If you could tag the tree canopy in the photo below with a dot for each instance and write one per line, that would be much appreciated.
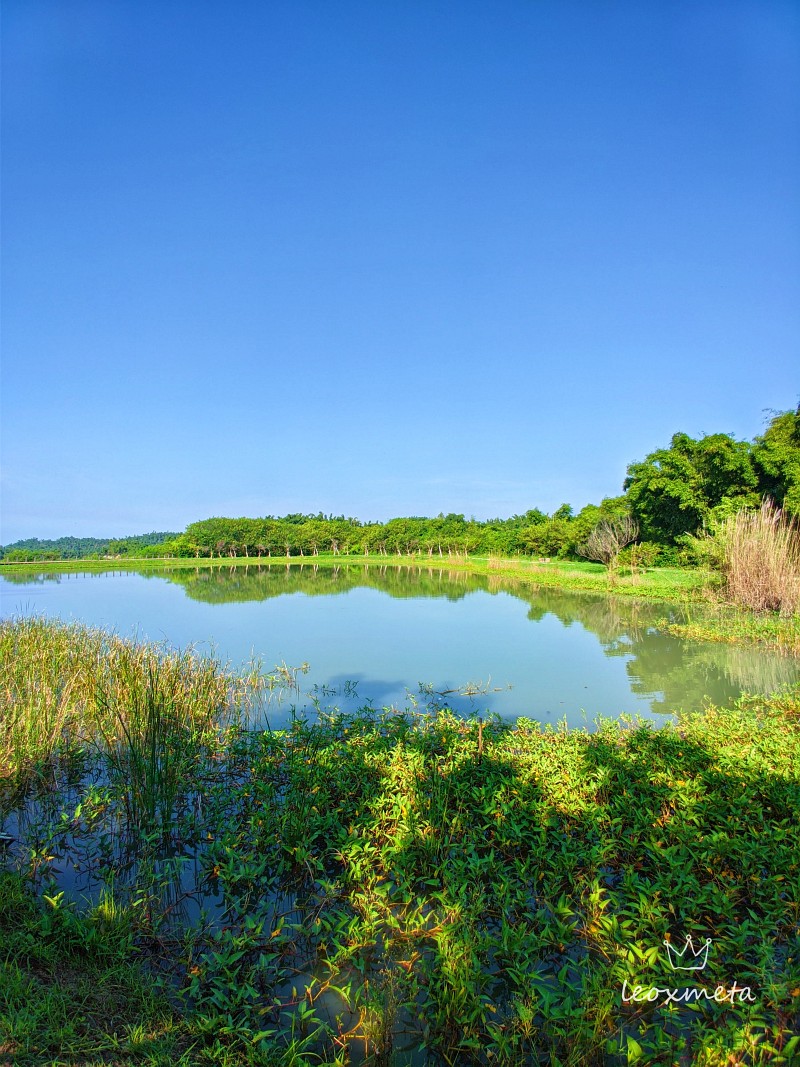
(673, 491)
(669, 495)
(776, 457)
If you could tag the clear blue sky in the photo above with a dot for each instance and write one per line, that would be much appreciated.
(386, 258)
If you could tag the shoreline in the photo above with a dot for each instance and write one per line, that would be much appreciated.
(721, 622)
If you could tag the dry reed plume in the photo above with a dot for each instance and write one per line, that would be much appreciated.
(761, 559)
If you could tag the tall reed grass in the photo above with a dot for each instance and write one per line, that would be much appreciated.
(154, 738)
(67, 685)
(761, 559)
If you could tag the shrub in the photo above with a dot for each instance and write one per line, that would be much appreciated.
(645, 554)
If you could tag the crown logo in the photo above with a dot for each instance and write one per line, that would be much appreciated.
(690, 958)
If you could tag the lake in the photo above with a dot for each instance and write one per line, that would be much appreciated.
(389, 635)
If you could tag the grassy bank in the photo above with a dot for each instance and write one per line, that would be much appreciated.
(384, 887)
(655, 583)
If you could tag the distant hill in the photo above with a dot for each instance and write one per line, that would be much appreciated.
(34, 549)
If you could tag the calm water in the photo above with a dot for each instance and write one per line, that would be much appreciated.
(392, 629)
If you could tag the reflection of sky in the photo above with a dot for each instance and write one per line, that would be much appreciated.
(387, 644)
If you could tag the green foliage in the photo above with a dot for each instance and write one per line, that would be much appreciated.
(776, 456)
(446, 535)
(736, 626)
(33, 550)
(73, 989)
(644, 554)
(29, 555)
(674, 490)
(393, 880)
(553, 538)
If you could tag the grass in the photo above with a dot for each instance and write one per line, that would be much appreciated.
(737, 626)
(671, 584)
(357, 887)
(761, 560)
(64, 686)
(72, 989)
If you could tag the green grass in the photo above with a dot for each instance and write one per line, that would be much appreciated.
(384, 880)
(737, 626)
(72, 989)
(674, 584)
(75, 990)
(64, 686)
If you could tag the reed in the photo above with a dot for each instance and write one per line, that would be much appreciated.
(64, 686)
(151, 748)
(43, 687)
(761, 559)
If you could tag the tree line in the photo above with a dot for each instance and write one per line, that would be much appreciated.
(667, 499)
(33, 549)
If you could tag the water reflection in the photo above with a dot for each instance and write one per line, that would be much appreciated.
(672, 673)
(567, 653)
(225, 585)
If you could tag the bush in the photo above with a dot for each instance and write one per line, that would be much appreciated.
(701, 550)
(608, 538)
(645, 554)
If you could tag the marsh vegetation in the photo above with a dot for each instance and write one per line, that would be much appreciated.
(401, 886)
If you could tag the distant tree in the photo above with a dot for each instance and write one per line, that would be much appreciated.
(609, 508)
(551, 538)
(182, 547)
(27, 555)
(85, 547)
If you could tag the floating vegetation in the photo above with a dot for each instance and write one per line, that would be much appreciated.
(729, 625)
(383, 886)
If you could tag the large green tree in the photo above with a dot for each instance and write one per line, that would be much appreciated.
(776, 455)
(674, 490)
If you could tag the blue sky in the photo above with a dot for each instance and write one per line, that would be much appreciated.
(386, 258)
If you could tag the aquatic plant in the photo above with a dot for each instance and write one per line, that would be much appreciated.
(382, 884)
(65, 685)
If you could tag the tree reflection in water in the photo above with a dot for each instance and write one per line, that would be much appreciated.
(672, 672)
